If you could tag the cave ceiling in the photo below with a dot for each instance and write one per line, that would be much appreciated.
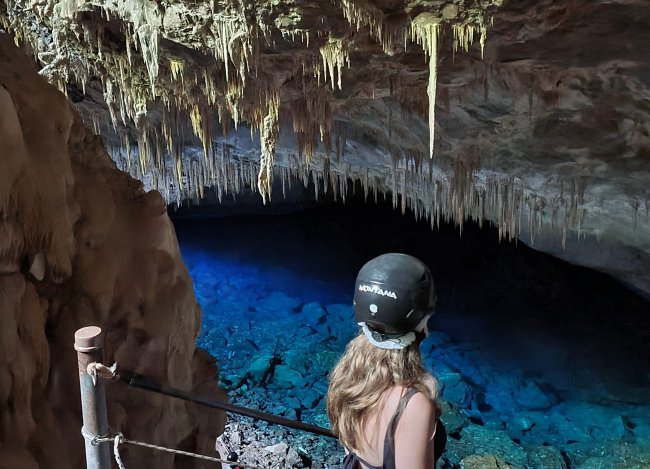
(531, 115)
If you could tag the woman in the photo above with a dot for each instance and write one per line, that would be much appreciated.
(381, 402)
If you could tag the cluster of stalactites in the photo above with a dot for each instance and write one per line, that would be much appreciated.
(427, 193)
(135, 79)
(233, 42)
(390, 31)
(465, 33)
(312, 116)
(423, 190)
(425, 30)
(335, 55)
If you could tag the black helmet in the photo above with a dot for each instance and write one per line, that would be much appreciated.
(393, 293)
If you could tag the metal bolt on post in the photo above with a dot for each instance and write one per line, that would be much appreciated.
(88, 344)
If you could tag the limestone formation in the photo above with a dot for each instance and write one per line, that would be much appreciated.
(537, 109)
(82, 243)
(538, 133)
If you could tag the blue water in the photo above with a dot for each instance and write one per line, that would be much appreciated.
(513, 386)
(249, 259)
(219, 272)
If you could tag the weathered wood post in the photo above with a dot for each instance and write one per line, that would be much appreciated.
(88, 344)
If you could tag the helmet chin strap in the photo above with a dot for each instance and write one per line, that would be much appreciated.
(394, 343)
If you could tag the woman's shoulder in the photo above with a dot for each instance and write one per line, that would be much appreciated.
(417, 395)
(421, 402)
(419, 416)
(418, 401)
(420, 410)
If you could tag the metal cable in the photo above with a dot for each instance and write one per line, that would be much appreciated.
(147, 384)
(142, 382)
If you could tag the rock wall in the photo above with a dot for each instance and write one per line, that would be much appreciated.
(81, 243)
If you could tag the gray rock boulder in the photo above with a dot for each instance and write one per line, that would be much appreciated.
(484, 462)
(286, 377)
(531, 396)
(278, 302)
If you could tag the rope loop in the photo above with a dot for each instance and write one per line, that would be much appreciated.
(100, 370)
(119, 439)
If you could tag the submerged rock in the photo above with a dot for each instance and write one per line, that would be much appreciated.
(479, 440)
(532, 397)
(297, 359)
(546, 457)
(278, 302)
(341, 312)
(258, 367)
(438, 338)
(229, 308)
(599, 422)
(313, 311)
(484, 462)
(641, 429)
(309, 398)
(521, 423)
(456, 390)
(452, 418)
(286, 377)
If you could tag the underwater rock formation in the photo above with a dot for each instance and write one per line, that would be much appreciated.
(534, 111)
(81, 243)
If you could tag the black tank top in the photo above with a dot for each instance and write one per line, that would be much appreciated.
(352, 461)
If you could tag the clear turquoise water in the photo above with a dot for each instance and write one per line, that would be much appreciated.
(532, 393)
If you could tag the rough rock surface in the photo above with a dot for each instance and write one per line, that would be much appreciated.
(542, 126)
(82, 243)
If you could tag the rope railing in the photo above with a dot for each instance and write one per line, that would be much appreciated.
(92, 373)
(119, 439)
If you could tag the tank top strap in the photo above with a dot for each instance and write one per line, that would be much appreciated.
(389, 439)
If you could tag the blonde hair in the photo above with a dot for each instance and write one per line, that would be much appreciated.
(360, 379)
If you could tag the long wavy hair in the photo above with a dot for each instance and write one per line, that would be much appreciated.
(360, 380)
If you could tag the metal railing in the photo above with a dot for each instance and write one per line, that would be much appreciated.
(88, 344)
(92, 375)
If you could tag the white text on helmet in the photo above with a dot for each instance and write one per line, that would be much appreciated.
(377, 290)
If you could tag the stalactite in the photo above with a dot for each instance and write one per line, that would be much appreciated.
(335, 56)
(269, 130)
(177, 68)
(234, 95)
(425, 30)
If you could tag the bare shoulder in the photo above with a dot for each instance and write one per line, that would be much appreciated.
(420, 413)
(414, 444)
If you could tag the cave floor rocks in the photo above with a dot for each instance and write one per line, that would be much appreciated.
(518, 389)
